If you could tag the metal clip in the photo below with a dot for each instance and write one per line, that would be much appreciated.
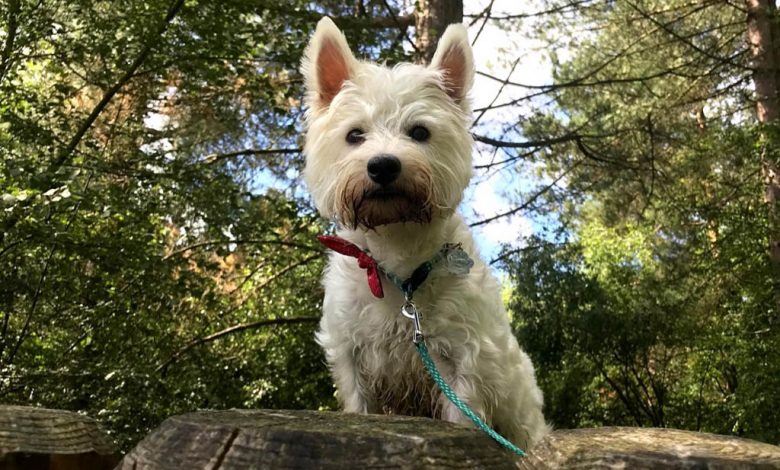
(409, 310)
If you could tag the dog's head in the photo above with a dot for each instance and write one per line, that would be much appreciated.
(386, 145)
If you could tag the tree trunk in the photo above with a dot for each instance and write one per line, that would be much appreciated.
(761, 15)
(762, 31)
(431, 19)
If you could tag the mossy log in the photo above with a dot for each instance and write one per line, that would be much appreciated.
(241, 439)
(649, 448)
(39, 438)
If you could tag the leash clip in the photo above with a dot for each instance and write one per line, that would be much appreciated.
(409, 310)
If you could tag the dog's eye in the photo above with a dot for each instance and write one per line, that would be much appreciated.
(355, 136)
(420, 133)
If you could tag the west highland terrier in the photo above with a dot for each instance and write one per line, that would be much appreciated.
(388, 156)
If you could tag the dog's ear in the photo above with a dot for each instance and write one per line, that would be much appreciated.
(455, 60)
(327, 63)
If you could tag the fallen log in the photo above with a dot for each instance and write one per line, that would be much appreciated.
(239, 439)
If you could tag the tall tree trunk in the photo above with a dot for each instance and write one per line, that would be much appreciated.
(764, 37)
(431, 19)
(761, 16)
(12, 24)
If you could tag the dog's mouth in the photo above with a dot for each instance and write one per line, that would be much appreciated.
(385, 194)
(388, 205)
(366, 204)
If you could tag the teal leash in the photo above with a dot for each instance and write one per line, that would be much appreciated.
(464, 408)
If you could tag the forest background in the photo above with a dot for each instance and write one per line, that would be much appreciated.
(158, 255)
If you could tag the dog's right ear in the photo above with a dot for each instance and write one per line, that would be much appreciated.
(455, 60)
(327, 63)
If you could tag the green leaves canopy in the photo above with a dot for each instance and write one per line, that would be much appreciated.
(156, 254)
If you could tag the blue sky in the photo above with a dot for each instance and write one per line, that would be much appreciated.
(491, 193)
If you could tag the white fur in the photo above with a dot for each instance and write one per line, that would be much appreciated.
(367, 341)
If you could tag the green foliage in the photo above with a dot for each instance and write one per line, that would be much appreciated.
(136, 226)
(157, 256)
(659, 306)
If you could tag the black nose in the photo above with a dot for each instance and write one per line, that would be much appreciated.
(384, 169)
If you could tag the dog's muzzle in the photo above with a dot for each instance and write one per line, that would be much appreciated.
(387, 193)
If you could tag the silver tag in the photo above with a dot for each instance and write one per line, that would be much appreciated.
(458, 262)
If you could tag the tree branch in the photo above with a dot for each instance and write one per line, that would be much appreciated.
(528, 144)
(408, 21)
(343, 22)
(613, 58)
(508, 253)
(677, 36)
(486, 13)
(287, 269)
(13, 25)
(498, 93)
(527, 203)
(162, 368)
(622, 394)
(244, 326)
(566, 8)
(66, 153)
(238, 242)
(394, 21)
(217, 157)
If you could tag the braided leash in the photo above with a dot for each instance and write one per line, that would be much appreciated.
(464, 408)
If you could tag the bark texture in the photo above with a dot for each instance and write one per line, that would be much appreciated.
(240, 439)
(431, 19)
(649, 448)
(763, 34)
(38, 438)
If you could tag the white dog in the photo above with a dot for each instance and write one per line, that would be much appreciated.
(388, 156)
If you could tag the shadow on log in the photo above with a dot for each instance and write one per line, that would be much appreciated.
(240, 439)
(39, 438)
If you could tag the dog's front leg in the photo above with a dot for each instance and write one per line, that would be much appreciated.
(352, 393)
(465, 388)
(341, 352)
(465, 391)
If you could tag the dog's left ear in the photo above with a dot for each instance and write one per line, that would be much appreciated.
(455, 60)
(327, 64)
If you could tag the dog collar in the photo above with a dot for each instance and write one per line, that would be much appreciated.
(451, 256)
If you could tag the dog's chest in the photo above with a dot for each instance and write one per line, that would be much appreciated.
(386, 361)
(390, 366)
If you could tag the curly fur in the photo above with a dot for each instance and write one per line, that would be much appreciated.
(367, 341)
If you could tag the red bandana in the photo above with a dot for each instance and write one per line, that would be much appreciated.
(365, 261)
